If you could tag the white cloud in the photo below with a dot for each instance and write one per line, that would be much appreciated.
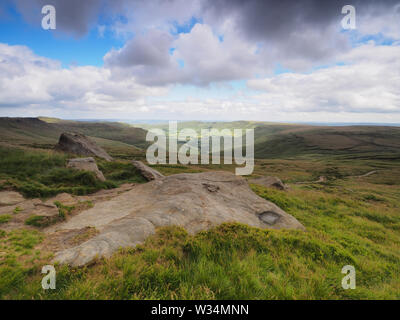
(368, 83)
(28, 81)
(205, 57)
(380, 19)
(366, 88)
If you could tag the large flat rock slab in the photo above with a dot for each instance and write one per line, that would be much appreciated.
(194, 201)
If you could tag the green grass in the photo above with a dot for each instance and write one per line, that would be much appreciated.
(345, 225)
(349, 220)
(5, 218)
(43, 173)
(120, 172)
(42, 221)
(18, 258)
(231, 261)
(63, 210)
(17, 210)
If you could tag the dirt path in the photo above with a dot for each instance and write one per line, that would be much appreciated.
(366, 175)
(321, 179)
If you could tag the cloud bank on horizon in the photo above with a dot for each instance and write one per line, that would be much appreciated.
(201, 59)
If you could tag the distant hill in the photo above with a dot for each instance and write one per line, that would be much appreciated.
(107, 130)
(44, 132)
(28, 131)
(358, 141)
(272, 140)
(198, 125)
(275, 140)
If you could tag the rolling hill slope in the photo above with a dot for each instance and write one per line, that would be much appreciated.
(274, 140)
(271, 142)
(44, 133)
(106, 130)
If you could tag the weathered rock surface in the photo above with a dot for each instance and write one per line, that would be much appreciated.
(64, 198)
(45, 210)
(193, 201)
(148, 173)
(22, 210)
(8, 198)
(28, 207)
(79, 144)
(87, 164)
(270, 182)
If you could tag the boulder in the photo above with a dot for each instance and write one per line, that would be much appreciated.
(270, 182)
(194, 201)
(79, 144)
(8, 198)
(87, 164)
(148, 173)
(65, 198)
(46, 210)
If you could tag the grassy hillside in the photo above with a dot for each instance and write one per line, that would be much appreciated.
(28, 132)
(274, 140)
(107, 130)
(349, 220)
(44, 133)
(198, 125)
(43, 173)
(281, 141)
(271, 140)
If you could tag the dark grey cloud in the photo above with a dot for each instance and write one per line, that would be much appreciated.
(78, 16)
(298, 34)
(150, 49)
(256, 19)
(271, 19)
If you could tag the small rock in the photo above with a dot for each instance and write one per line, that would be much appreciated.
(8, 198)
(64, 198)
(269, 182)
(46, 211)
(87, 164)
(147, 172)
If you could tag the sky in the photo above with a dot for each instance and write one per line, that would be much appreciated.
(223, 60)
